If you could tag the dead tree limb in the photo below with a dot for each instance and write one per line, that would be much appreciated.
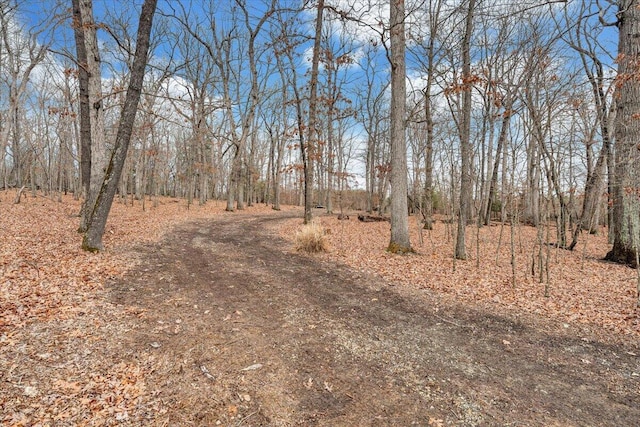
(370, 218)
(18, 196)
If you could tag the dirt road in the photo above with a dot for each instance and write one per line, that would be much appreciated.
(244, 332)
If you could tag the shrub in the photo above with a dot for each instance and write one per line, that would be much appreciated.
(312, 238)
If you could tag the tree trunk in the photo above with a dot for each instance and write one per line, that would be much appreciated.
(84, 110)
(89, 61)
(370, 172)
(532, 195)
(280, 138)
(400, 242)
(626, 186)
(312, 129)
(610, 180)
(277, 185)
(591, 196)
(465, 136)
(15, 141)
(232, 182)
(428, 175)
(502, 137)
(332, 83)
(428, 113)
(240, 183)
(92, 240)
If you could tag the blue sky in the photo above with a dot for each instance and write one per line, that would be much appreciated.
(38, 11)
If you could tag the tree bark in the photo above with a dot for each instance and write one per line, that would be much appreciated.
(626, 186)
(92, 240)
(428, 113)
(83, 100)
(400, 242)
(591, 195)
(465, 136)
(278, 140)
(313, 108)
(502, 137)
(332, 83)
(92, 140)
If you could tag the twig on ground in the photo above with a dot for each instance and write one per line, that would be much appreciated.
(451, 322)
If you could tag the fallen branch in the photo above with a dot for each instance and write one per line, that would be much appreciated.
(451, 322)
(206, 372)
(370, 218)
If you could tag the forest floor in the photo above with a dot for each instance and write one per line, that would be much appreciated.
(202, 317)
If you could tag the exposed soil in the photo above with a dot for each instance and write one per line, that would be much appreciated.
(240, 330)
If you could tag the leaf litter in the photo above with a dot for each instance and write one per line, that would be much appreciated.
(60, 359)
(585, 291)
(60, 363)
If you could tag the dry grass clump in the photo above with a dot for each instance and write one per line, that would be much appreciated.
(312, 238)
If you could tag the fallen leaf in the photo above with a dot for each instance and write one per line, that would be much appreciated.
(30, 391)
(252, 367)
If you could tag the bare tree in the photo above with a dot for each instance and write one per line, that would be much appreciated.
(277, 124)
(582, 36)
(431, 53)
(21, 54)
(196, 105)
(92, 239)
(309, 151)
(400, 242)
(227, 51)
(92, 131)
(335, 106)
(466, 151)
(372, 104)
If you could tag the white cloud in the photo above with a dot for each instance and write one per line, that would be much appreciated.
(176, 87)
(365, 20)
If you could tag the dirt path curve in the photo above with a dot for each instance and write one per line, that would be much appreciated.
(243, 332)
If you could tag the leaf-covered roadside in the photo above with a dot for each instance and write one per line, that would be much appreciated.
(583, 290)
(61, 358)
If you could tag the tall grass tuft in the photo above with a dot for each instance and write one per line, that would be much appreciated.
(311, 238)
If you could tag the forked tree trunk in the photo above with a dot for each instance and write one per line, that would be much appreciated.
(591, 197)
(92, 240)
